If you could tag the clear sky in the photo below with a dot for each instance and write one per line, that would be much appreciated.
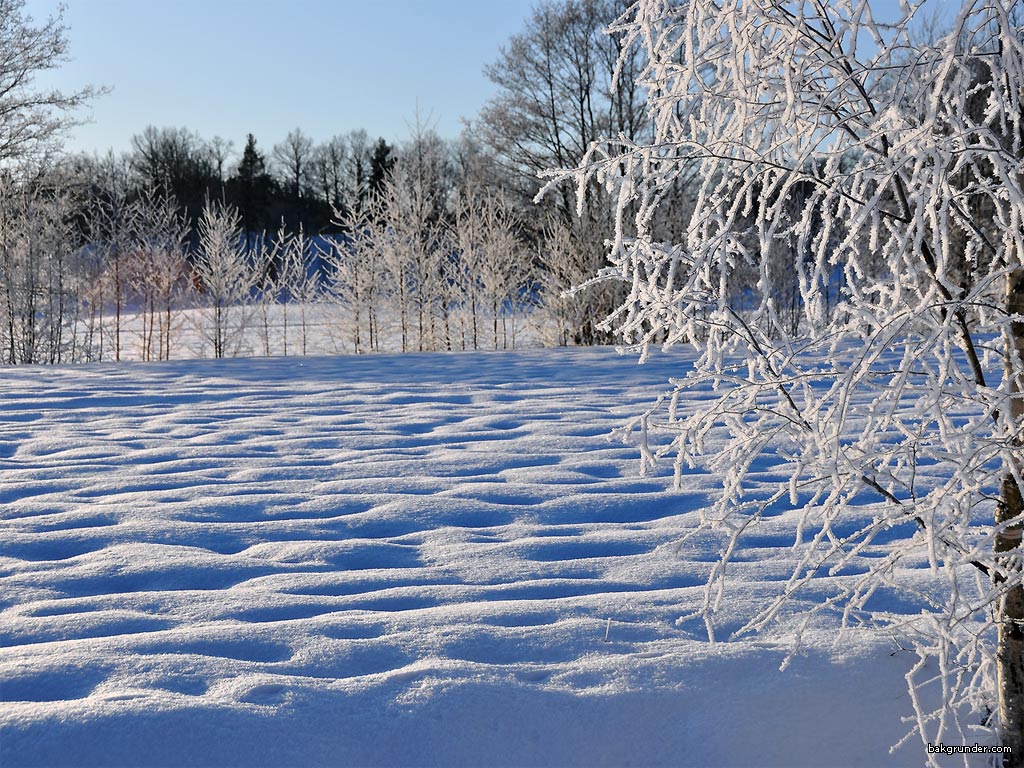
(228, 67)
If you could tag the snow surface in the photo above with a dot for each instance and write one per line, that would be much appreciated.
(391, 560)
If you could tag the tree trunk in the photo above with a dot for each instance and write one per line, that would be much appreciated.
(118, 299)
(1010, 644)
(1009, 511)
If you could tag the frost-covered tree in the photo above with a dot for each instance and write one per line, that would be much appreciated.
(416, 194)
(110, 226)
(468, 237)
(356, 274)
(159, 272)
(403, 241)
(306, 286)
(893, 169)
(403, 219)
(299, 284)
(495, 265)
(38, 287)
(571, 306)
(136, 267)
(266, 256)
(224, 270)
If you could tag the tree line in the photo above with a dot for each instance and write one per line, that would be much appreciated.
(298, 182)
(428, 243)
(97, 267)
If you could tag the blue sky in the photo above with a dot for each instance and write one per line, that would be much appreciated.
(228, 67)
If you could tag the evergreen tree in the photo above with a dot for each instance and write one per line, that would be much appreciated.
(251, 189)
(381, 162)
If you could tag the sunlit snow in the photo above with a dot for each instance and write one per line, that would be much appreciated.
(392, 560)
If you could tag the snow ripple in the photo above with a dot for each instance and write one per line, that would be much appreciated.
(189, 546)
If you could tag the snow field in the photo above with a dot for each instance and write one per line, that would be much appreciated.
(392, 560)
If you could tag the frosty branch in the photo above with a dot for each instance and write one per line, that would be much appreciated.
(885, 175)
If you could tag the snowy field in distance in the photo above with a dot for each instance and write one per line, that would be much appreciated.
(390, 560)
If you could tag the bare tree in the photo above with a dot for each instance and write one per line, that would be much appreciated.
(294, 158)
(32, 119)
(220, 151)
(329, 169)
(559, 89)
(562, 83)
(175, 161)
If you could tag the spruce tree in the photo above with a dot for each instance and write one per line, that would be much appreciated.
(381, 162)
(252, 188)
